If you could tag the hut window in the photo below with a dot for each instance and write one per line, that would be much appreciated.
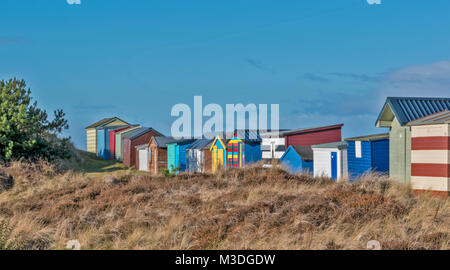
(149, 154)
(358, 152)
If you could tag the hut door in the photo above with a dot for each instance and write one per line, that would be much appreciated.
(143, 162)
(214, 159)
(220, 158)
(334, 165)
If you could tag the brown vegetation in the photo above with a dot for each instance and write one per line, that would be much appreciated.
(237, 209)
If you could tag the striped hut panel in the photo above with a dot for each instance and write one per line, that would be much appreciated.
(91, 145)
(235, 153)
(430, 158)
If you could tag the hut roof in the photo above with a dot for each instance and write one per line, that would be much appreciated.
(111, 127)
(442, 117)
(310, 129)
(407, 109)
(338, 145)
(200, 144)
(162, 141)
(273, 133)
(139, 132)
(104, 121)
(246, 135)
(128, 130)
(305, 152)
(374, 137)
(182, 141)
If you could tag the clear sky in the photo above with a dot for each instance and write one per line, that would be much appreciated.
(323, 61)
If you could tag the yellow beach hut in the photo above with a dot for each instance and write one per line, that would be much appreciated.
(218, 154)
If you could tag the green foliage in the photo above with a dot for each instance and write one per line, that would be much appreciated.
(6, 241)
(167, 174)
(25, 131)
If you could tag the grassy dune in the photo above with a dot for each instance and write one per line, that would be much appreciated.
(92, 166)
(106, 206)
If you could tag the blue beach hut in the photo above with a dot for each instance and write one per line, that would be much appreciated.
(368, 154)
(298, 159)
(176, 154)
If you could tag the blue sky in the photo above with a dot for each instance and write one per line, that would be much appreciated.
(323, 61)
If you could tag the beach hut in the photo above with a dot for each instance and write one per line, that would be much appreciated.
(251, 152)
(142, 157)
(298, 159)
(198, 156)
(218, 154)
(91, 132)
(330, 160)
(252, 140)
(235, 153)
(103, 141)
(133, 139)
(313, 136)
(119, 141)
(368, 154)
(396, 113)
(176, 155)
(158, 153)
(430, 153)
(112, 141)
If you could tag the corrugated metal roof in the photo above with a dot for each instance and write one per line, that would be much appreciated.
(407, 109)
(182, 141)
(139, 132)
(305, 152)
(273, 133)
(338, 145)
(437, 118)
(249, 136)
(136, 133)
(310, 129)
(245, 135)
(129, 130)
(200, 144)
(104, 121)
(111, 127)
(162, 141)
(370, 137)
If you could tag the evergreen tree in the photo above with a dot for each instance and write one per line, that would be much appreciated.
(25, 131)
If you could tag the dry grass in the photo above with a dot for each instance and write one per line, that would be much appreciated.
(238, 209)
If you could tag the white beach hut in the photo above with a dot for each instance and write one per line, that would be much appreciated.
(330, 160)
(199, 156)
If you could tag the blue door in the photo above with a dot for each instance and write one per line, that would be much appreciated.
(334, 165)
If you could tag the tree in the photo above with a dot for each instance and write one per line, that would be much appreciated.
(25, 131)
